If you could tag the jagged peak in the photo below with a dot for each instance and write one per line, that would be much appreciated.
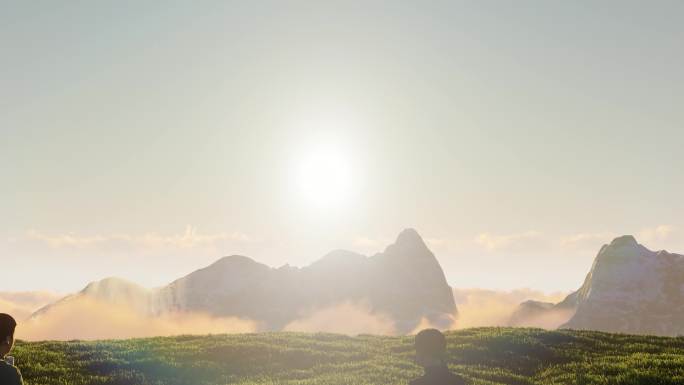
(625, 240)
(409, 246)
(624, 246)
(409, 237)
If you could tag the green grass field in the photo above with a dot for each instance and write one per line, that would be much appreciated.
(482, 356)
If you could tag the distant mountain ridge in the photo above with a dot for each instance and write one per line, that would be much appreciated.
(405, 282)
(629, 289)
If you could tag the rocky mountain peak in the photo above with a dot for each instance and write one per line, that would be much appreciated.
(409, 237)
(631, 289)
(624, 241)
(621, 250)
(409, 243)
(404, 283)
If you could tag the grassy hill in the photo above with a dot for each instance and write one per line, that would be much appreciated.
(482, 356)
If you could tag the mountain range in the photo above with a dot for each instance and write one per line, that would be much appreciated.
(405, 283)
(629, 289)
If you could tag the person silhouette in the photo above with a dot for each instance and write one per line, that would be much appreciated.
(9, 374)
(430, 354)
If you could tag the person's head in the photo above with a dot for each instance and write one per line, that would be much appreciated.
(430, 348)
(7, 326)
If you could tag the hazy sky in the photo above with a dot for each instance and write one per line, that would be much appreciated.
(146, 139)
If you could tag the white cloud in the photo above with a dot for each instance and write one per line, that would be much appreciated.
(656, 234)
(190, 238)
(368, 246)
(528, 241)
(652, 237)
(586, 241)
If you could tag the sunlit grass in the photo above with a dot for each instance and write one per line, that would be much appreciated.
(482, 356)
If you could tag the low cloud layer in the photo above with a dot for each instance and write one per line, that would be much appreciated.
(348, 318)
(21, 304)
(550, 319)
(480, 307)
(87, 319)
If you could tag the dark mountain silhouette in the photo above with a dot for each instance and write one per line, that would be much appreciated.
(405, 282)
(629, 289)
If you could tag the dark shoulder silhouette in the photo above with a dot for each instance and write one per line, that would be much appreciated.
(438, 376)
(9, 375)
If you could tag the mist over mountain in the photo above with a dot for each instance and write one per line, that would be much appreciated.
(112, 291)
(629, 289)
(404, 284)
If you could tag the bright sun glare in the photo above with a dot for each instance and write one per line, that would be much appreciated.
(324, 178)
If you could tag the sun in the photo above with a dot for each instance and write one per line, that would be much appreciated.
(324, 178)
